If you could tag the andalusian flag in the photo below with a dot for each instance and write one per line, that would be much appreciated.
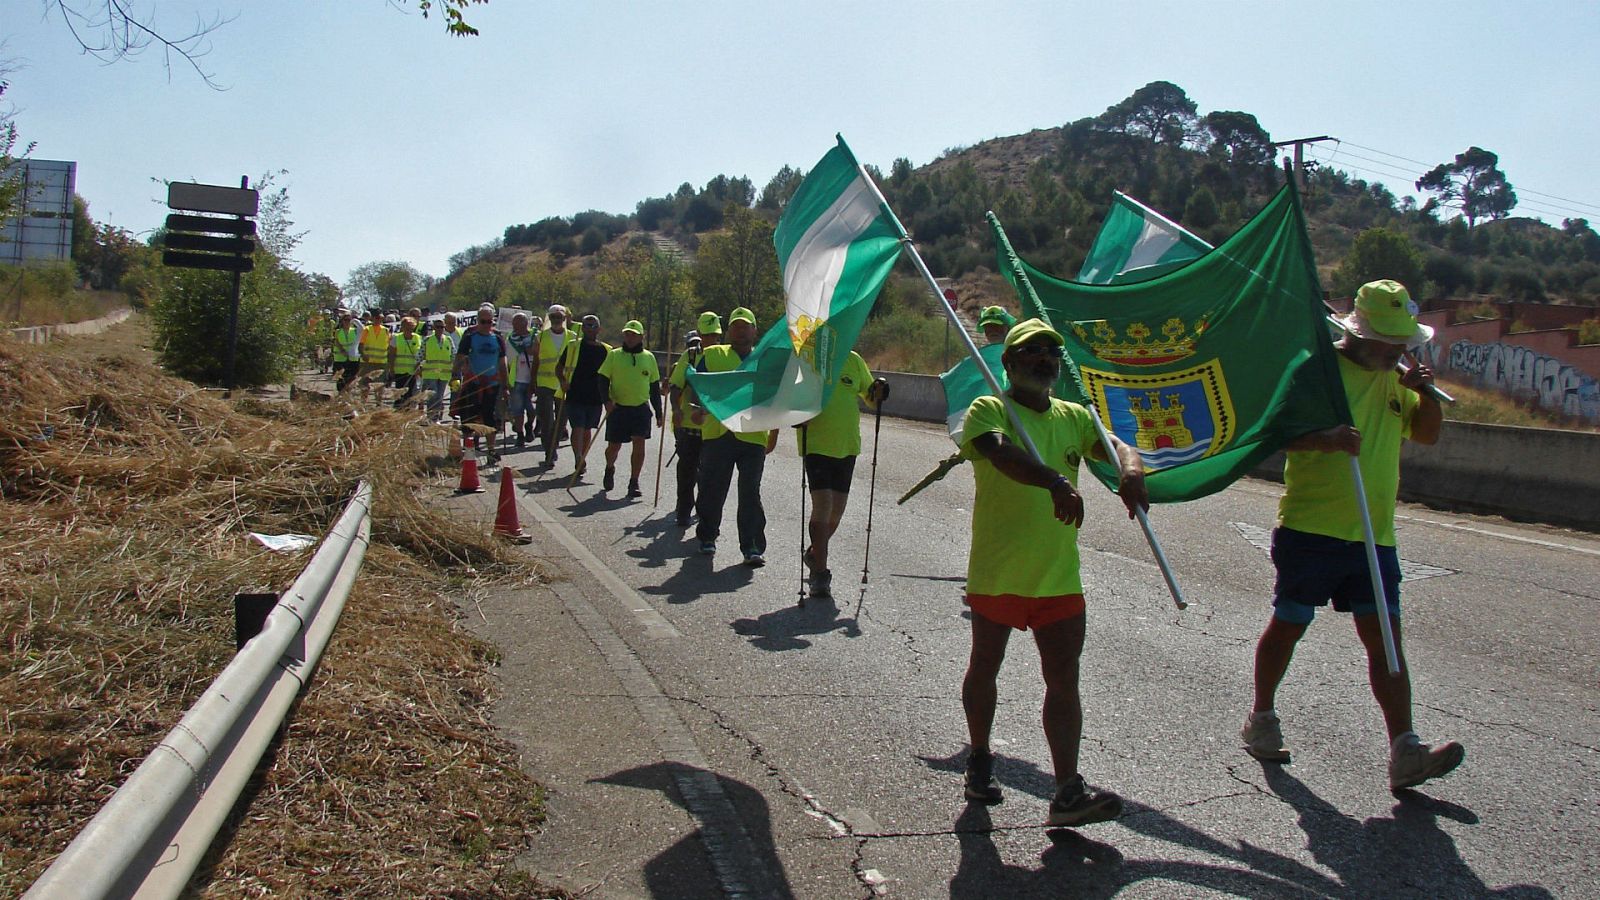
(964, 383)
(1136, 243)
(1207, 370)
(836, 243)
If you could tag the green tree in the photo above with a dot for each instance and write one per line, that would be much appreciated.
(10, 179)
(386, 284)
(541, 286)
(1473, 184)
(1379, 253)
(781, 188)
(191, 308)
(1201, 210)
(739, 267)
(482, 282)
(1160, 111)
(1237, 138)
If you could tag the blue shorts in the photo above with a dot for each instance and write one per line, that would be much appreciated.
(1314, 569)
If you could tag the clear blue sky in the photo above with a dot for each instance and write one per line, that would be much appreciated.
(403, 143)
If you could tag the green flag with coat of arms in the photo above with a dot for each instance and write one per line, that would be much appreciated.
(1208, 369)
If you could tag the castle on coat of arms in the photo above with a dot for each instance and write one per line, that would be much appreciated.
(1160, 424)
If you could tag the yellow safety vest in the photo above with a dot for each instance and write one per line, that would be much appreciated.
(438, 358)
(546, 376)
(405, 352)
(375, 345)
(344, 344)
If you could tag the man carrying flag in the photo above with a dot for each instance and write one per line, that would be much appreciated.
(1023, 570)
(1318, 548)
(723, 450)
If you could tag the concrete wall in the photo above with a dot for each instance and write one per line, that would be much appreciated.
(1531, 474)
(41, 334)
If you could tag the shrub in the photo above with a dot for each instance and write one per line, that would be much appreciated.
(190, 316)
(1589, 331)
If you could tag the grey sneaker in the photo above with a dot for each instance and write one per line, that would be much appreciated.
(981, 785)
(1076, 804)
(754, 560)
(1411, 762)
(1263, 737)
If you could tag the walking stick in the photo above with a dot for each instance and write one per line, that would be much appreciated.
(585, 458)
(877, 424)
(803, 522)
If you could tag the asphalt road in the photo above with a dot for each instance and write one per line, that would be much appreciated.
(704, 736)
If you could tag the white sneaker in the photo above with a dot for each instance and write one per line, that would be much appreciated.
(1263, 737)
(1411, 762)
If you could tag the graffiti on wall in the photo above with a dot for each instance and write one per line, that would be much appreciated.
(1525, 373)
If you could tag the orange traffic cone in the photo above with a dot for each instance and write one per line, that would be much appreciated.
(505, 518)
(469, 469)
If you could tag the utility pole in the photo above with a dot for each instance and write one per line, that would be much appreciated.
(1299, 145)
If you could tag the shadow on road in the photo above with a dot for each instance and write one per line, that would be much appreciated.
(1374, 857)
(680, 871)
(698, 577)
(786, 628)
(665, 540)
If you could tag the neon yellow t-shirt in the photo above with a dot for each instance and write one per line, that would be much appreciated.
(1319, 496)
(679, 379)
(631, 375)
(836, 431)
(1018, 545)
(723, 358)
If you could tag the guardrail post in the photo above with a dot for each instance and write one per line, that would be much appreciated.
(250, 609)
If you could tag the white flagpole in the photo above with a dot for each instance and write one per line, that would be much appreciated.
(1384, 627)
(1105, 441)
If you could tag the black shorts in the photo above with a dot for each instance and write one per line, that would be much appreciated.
(829, 473)
(628, 422)
(583, 415)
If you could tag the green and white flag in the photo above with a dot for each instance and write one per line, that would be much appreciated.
(1136, 243)
(965, 383)
(836, 243)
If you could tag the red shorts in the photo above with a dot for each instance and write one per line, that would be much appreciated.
(1023, 613)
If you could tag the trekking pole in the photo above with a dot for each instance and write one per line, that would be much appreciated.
(661, 449)
(872, 492)
(804, 524)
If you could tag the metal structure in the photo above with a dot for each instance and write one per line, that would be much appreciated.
(41, 229)
(149, 837)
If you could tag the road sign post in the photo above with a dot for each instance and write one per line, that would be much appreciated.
(213, 242)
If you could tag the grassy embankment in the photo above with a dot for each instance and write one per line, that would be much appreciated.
(127, 497)
(46, 295)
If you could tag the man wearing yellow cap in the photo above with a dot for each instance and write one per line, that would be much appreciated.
(630, 379)
(707, 333)
(1023, 571)
(1319, 548)
(723, 451)
(995, 323)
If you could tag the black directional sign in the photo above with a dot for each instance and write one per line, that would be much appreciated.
(210, 224)
(218, 261)
(206, 243)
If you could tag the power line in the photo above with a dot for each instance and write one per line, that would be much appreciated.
(1429, 166)
(1383, 170)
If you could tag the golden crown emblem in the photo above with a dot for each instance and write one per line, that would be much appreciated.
(1136, 345)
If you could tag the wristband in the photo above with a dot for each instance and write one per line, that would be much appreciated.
(1060, 479)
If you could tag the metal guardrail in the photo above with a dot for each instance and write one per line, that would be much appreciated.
(151, 835)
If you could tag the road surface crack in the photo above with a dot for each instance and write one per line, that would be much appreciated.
(870, 879)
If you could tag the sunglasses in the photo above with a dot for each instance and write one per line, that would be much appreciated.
(1037, 350)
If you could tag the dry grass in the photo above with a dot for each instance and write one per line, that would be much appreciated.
(126, 497)
(1494, 408)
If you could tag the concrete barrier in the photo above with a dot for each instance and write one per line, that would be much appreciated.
(42, 334)
(1529, 474)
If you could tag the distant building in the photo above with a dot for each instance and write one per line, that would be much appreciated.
(41, 229)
